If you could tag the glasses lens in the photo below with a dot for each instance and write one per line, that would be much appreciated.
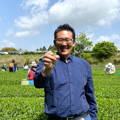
(64, 39)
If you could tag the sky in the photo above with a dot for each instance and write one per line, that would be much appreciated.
(30, 24)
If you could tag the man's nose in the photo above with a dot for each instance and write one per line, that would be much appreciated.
(64, 42)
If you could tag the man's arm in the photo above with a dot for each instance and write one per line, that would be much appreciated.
(89, 92)
(39, 81)
(44, 69)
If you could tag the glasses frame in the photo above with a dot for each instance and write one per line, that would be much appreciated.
(60, 40)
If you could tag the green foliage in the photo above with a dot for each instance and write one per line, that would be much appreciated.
(8, 49)
(107, 94)
(108, 109)
(18, 108)
(22, 102)
(42, 49)
(116, 62)
(87, 56)
(104, 50)
(82, 44)
(52, 48)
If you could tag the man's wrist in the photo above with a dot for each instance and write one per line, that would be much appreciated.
(46, 71)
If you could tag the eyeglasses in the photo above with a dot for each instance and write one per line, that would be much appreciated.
(60, 40)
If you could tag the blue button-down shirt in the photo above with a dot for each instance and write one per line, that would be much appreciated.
(68, 89)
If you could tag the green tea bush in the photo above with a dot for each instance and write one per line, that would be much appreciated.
(21, 108)
(24, 102)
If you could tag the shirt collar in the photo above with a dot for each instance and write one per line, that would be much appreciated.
(69, 59)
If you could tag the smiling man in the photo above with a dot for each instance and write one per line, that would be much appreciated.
(67, 80)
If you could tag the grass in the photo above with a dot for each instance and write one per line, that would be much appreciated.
(27, 103)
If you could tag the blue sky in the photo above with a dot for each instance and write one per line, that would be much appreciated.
(29, 24)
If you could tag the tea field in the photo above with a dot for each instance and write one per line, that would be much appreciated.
(21, 102)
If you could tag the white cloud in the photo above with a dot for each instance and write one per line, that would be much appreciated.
(31, 22)
(37, 14)
(111, 15)
(35, 5)
(84, 13)
(80, 13)
(103, 38)
(6, 43)
(112, 38)
(25, 34)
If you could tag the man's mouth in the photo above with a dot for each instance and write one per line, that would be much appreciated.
(64, 47)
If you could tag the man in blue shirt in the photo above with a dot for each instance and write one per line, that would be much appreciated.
(67, 80)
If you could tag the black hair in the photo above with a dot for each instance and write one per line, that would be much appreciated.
(13, 61)
(64, 27)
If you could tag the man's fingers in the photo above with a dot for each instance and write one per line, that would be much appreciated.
(49, 59)
(48, 64)
(51, 55)
(57, 57)
(50, 52)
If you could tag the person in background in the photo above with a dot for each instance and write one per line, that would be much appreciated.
(15, 68)
(67, 80)
(4, 67)
(11, 66)
(109, 68)
(25, 67)
(32, 70)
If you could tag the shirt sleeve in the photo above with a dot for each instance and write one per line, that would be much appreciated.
(39, 79)
(89, 92)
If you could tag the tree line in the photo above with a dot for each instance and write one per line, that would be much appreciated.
(102, 50)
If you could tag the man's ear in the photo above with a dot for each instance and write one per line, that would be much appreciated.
(54, 42)
(74, 43)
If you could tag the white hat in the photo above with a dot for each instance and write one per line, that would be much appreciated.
(110, 64)
(33, 63)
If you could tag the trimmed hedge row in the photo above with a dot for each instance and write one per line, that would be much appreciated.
(19, 102)
(18, 108)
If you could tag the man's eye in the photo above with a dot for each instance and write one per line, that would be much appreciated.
(67, 39)
(60, 39)
(63, 39)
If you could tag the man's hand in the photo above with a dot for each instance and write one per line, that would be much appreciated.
(49, 60)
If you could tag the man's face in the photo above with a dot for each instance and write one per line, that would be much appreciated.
(64, 42)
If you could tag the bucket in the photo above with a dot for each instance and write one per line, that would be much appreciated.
(24, 82)
(31, 82)
(27, 82)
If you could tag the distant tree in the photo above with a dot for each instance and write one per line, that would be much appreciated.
(37, 49)
(83, 43)
(52, 48)
(8, 49)
(20, 49)
(43, 48)
(104, 50)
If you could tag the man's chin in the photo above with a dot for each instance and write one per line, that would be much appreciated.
(63, 53)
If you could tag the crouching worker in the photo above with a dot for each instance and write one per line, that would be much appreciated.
(67, 80)
(31, 73)
(109, 68)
